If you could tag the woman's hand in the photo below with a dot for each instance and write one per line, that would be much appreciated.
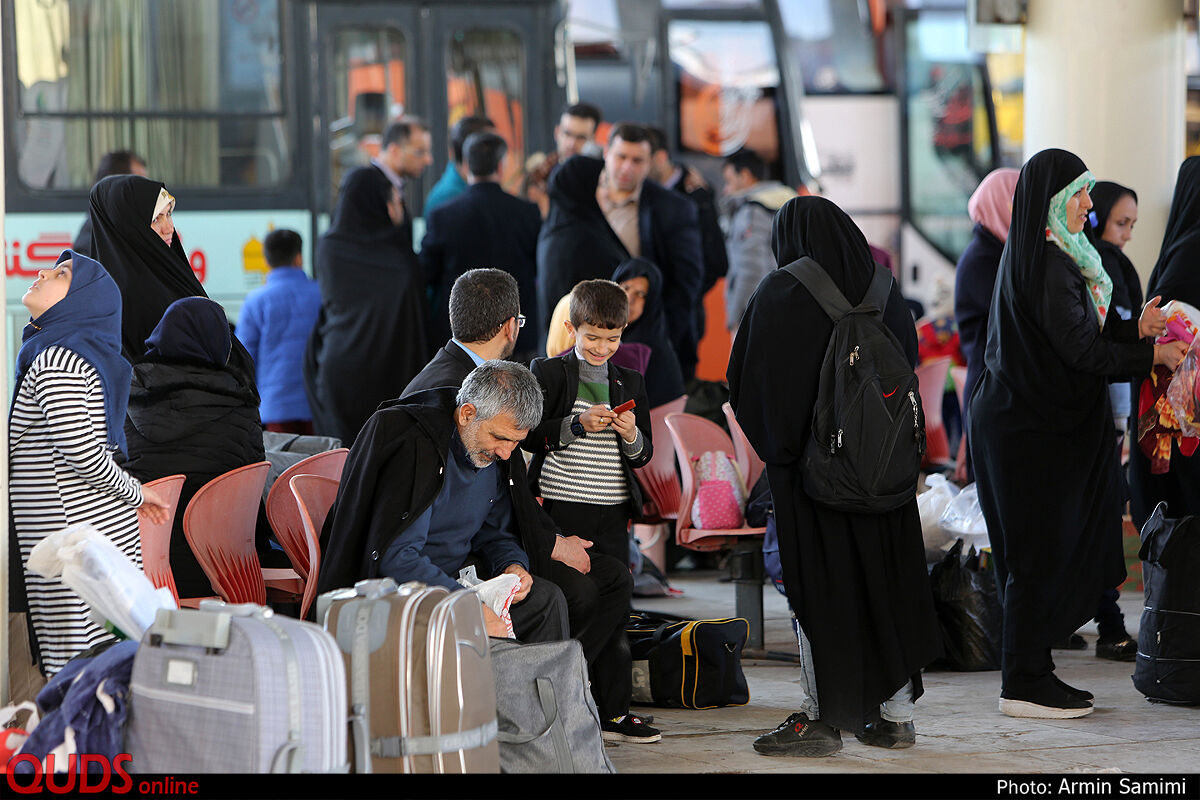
(153, 508)
(596, 418)
(1170, 354)
(1153, 320)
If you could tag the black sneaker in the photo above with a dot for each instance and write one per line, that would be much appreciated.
(1124, 649)
(800, 736)
(632, 729)
(1043, 699)
(1072, 642)
(1082, 694)
(893, 735)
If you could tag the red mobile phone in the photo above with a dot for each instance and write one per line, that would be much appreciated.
(621, 409)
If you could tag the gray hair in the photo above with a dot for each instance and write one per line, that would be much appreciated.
(497, 386)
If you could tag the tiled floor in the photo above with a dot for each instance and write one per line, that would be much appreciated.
(959, 728)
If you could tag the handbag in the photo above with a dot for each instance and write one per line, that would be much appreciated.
(683, 663)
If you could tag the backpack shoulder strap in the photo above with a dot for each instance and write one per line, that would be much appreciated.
(879, 290)
(821, 286)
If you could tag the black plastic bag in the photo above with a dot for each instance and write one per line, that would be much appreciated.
(968, 611)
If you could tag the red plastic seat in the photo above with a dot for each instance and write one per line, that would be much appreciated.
(219, 524)
(284, 514)
(959, 376)
(658, 478)
(931, 380)
(156, 538)
(692, 436)
(314, 495)
(747, 460)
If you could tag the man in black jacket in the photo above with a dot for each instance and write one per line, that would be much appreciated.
(485, 316)
(482, 227)
(429, 482)
(658, 224)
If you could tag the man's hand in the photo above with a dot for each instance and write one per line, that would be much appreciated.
(572, 551)
(596, 418)
(626, 425)
(526, 581)
(153, 507)
(495, 625)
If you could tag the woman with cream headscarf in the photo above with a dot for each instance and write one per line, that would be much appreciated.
(1042, 438)
(990, 208)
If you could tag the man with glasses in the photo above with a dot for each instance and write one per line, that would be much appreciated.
(482, 226)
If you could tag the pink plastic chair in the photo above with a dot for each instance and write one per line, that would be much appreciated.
(314, 495)
(692, 436)
(931, 379)
(219, 524)
(959, 376)
(156, 539)
(747, 460)
(658, 478)
(282, 511)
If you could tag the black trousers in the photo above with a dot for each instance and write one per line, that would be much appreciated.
(598, 607)
(542, 615)
(606, 527)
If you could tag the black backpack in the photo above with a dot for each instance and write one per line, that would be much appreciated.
(868, 429)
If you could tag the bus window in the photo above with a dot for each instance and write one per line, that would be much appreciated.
(949, 141)
(835, 48)
(485, 76)
(726, 79)
(368, 89)
(99, 76)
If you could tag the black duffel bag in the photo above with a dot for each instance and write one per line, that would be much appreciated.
(1168, 658)
(684, 663)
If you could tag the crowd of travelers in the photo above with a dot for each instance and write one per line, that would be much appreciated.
(528, 323)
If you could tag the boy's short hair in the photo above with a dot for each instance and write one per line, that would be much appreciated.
(601, 303)
(281, 247)
(481, 301)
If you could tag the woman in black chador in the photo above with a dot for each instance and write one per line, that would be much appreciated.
(857, 582)
(1176, 276)
(369, 341)
(1042, 437)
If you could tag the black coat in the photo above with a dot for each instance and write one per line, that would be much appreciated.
(559, 379)
(712, 238)
(669, 229)
(857, 582)
(198, 420)
(975, 277)
(449, 367)
(482, 227)
(393, 473)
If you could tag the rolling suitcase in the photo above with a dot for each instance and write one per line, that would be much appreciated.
(236, 689)
(421, 691)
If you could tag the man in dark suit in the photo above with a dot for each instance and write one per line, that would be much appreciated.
(657, 224)
(482, 227)
(485, 316)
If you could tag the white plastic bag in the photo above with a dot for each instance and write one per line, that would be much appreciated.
(96, 569)
(931, 503)
(497, 593)
(963, 518)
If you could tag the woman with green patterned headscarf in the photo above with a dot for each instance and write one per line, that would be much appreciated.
(1041, 430)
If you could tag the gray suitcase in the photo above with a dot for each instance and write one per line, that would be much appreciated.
(421, 689)
(236, 689)
(548, 719)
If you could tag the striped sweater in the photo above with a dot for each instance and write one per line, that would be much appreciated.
(60, 474)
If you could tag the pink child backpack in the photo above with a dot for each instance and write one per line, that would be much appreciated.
(720, 494)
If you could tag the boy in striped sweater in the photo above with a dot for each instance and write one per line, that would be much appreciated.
(585, 450)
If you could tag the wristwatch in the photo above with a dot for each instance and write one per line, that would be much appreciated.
(576, 427)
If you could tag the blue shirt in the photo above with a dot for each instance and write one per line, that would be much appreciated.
(274, 325)
(448, 187)
(474, 356)
(472, 513)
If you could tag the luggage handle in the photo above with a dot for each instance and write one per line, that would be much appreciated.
(558, 736)
(359, 740)
(374, 588)
(190, 628)
(236, 609)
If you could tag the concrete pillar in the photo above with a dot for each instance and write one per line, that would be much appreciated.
(1106, 80)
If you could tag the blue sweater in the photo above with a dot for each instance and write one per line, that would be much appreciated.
(448, 187)
(472, 513)
(274, 326)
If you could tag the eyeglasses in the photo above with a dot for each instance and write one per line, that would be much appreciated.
(520, 320)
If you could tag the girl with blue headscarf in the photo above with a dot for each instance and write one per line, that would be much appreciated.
(65, 426)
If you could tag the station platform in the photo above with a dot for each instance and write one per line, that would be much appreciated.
(959, 729)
